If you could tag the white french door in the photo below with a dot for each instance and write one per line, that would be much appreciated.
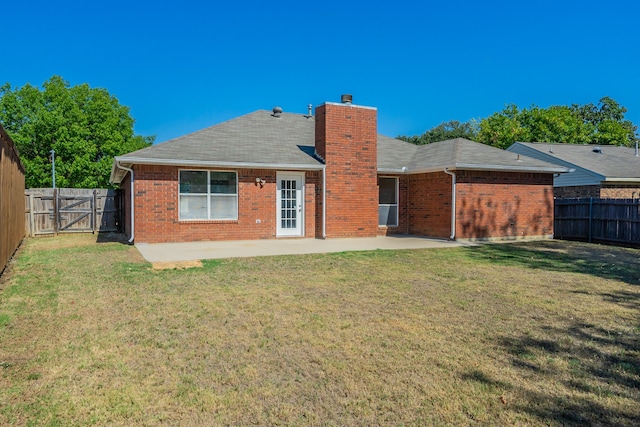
(290, 204)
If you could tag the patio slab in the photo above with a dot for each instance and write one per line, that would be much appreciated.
(191, 251)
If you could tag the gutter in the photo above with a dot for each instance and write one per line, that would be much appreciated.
(324, 203)
(230, 165)
(453, 203)
(118, 165)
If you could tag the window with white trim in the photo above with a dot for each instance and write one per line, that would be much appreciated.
(388, 201)
(208, 195)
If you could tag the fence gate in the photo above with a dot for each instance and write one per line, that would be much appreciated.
(72, 210)
(75, 213)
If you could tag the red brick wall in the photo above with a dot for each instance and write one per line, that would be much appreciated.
(346, 138)
(156, 208)
(430, 204)
(503, 205)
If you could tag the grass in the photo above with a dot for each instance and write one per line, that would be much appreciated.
(540, 333)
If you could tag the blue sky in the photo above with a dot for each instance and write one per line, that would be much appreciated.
(183, 66)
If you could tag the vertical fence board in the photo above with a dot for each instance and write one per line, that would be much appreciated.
(12, 205)
(602, 220)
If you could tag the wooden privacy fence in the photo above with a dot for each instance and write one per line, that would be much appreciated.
(11, 194)
(598, 220)
(72, 210)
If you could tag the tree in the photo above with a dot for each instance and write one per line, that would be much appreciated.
(442, 132)
(602, 124)
(503, 128)
(85, 126)
(608, 122)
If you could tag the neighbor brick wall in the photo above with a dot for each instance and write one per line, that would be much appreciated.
(156, 208)
(576, 191)
(604, 191)
(346, 138)
(503, 205)
(620, 191)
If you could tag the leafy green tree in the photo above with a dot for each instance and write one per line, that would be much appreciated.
(608, 122)
(602, 124)
(442, 132)
(85, 126)
(503, 128)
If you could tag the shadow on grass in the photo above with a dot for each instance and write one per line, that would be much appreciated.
(111, 237)
(591, 365)
(602, 261)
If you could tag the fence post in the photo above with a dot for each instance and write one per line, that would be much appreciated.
(94, 212)
(56, 212)
(590, 216)
(32, 222)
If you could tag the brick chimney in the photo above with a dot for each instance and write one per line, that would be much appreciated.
(347, 140)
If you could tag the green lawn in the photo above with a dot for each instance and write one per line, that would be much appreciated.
(540, 333)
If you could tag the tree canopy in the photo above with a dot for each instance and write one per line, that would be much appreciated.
(85, 126)
(601, 123)
(448, 130)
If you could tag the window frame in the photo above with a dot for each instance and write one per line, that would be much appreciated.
(209, 195)
(396, 204)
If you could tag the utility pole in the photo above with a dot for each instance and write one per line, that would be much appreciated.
(53, 167)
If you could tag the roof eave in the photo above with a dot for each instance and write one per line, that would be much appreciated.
(129, 161)
(613, 179)
(510, 168)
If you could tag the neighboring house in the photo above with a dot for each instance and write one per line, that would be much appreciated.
(604, 171)
(270, 175)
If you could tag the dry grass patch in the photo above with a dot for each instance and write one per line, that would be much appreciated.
(176, 265)
(532, 333)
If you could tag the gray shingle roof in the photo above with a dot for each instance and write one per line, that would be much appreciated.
(462, 153)
(611, 162)
(256, 138)
(260, 140)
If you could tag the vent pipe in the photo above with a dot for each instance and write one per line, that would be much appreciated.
(309, 110)
(637, 154)
(346, 99)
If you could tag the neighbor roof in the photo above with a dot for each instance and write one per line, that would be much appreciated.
(287, 142)
(612, 162)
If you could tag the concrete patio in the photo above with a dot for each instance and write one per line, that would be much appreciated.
(191, 251)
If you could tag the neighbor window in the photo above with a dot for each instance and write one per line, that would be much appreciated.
(208, 195)
(388, 202)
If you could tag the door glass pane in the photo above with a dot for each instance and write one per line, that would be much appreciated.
(288, 204)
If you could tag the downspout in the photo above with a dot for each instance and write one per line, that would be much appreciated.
(453, 203)
(132, 209)
(324, 203)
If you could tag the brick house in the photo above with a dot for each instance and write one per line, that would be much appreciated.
(607, 171)
(270, 175)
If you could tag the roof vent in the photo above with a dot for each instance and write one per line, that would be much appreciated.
(346, 99)
(597, 149)
(309, 111)
(277, 111)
